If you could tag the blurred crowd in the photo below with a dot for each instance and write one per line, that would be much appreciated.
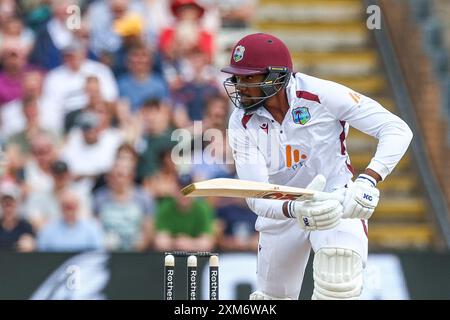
(90, 93)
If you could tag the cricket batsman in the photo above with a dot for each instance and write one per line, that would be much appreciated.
(289, 128)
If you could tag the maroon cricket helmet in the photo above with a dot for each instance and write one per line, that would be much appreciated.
(258, 53)
(255, 53)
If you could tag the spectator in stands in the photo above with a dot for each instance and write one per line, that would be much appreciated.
(211, 20)
(159, 18)
(35, 13)
(52, 37)
(236, 225)
(89, 150)
(102, 16)
(217, 109)
(41, 207)
(37, 169)
(154, 121)
(199, 85)
(168, 173)
(125, 210)
(68, 231)
(94, 97)
(125, 152)
(107, 115)
(128, 153)
(63, 90)
(216, 158)
(140, 83)
(33, 127)
(13, 167)
(13, 29)
(7, 10)
(12, 118)
(128, 122)
(184, 223)
(15, 232)
(237, 13)
(216, 155)
(111, 115)
(187, 33)
(131, 29)
(14, 65)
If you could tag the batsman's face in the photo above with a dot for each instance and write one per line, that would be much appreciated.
(248, 88)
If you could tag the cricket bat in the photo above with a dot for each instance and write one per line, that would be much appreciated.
(223, 187)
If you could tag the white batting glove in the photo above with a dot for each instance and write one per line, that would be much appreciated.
(361, 198)
(316, 215)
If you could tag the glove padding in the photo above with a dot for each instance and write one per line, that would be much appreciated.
(361, 198)
(316, 215)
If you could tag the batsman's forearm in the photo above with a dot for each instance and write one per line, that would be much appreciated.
(373, 174)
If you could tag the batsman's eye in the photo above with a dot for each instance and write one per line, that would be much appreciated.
(233, 79)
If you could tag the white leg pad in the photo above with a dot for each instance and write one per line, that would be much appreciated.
(259, 295)
(338, 274)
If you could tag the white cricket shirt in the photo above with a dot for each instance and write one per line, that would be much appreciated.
(311, 139)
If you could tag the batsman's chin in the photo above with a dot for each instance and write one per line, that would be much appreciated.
(246, 101)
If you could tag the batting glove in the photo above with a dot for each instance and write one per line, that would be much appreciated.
(361, 198)
(316, 215)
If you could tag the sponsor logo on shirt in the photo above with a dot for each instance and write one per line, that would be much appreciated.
(294, 159)
(301, 115)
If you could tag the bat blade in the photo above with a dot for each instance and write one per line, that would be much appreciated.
(223, 187)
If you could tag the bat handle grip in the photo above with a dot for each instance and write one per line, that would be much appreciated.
(322, 196)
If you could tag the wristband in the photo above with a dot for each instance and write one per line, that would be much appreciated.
(368, 178)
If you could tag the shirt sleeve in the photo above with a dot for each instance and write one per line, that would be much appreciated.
(368, 116)
(251, 165)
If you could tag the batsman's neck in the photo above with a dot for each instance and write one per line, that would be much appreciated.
(278, 106)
